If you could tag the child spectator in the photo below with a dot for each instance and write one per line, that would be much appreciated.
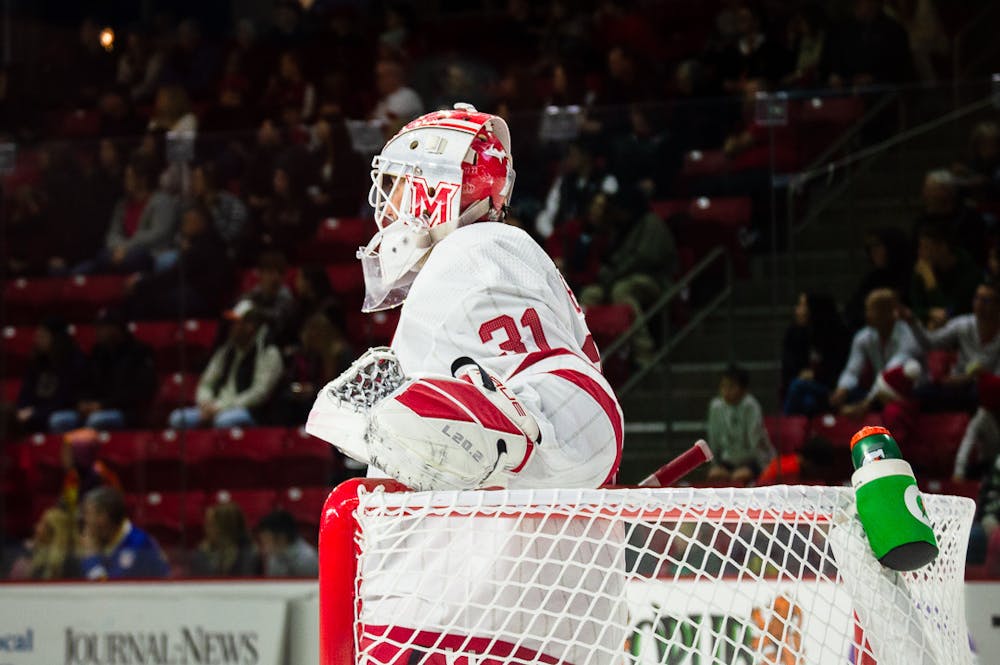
(239, 379)
(51, 552)
(120, 380)
(883, 344)
(285, 552)
(736, 431)
(813, 352)
(227, 550)
(53, 379)
(112, 547)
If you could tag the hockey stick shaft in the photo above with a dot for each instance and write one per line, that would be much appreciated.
(680, 466)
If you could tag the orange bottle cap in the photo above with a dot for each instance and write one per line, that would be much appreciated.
(868, 431)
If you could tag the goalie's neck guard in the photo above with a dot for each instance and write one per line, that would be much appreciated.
(442, 171)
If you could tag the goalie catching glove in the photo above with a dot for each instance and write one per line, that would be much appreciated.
(430, 432)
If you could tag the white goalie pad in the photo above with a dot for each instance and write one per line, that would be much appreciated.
(340, 413)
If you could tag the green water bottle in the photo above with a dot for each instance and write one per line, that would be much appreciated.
(890, 506)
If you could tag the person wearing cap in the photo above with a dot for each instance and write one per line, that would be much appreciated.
(239, 378)
(119, 381)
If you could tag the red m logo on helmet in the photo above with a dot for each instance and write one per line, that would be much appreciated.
(432, 204)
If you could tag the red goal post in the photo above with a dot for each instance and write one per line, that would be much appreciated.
(778, 574)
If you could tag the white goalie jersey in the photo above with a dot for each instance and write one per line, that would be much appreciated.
(489, 292)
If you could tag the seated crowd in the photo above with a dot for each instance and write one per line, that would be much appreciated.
(273, 161)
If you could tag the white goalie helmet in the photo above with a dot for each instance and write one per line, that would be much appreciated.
(442, 171)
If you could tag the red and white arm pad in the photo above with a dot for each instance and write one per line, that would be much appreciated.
(438, 432)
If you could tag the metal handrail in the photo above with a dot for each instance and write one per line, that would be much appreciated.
(657, 308)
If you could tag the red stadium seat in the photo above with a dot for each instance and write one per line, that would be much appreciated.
(84, 334)
(28, 300)
(787, 433)
(607, 323)
(337, 238)
(18, 344)
(243, 458)
(172, 518)
(966, 488)
(347, 279)
(78, 123)
(840, 429)
(176, 459)
(701, 163)
(168, 338)
(939, 363)
(304, 461)
(371, 329)
(935, 441)
(732, 211)
(176, 390)
(125, 454)
(199, 338)
(254, 503)
(306, 504)
(83, 297)
(45, 463)
(11, 387)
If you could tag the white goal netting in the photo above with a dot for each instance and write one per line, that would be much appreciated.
(674, 576)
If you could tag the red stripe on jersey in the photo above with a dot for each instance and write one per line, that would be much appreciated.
(391, 644)
(538, 356)
(429, 403)
(606, 402)
(482, 409)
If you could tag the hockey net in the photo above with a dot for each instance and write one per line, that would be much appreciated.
(604, 577)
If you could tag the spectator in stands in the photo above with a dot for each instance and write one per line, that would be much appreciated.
(288, 88)
(883, 344)
(944, 277)
(813, 352)
(987, 519)
(172, 111)
(640, 265)
(579, 246)
(979, 173)
(323, 353)
(944, 207)
(271, 298)
(229, 213)
(926, 35)
(807, 36)
(753, 55)
(239, 379)
(736, 431)
(258, 179)
(868, 48)
(314, 295)
(645, 155)
(112, 548)
(190, 281)
(976, 338)
(285, 552)
(142, 225)
(398, 104)
(51, 554)
(888, 249)
(120, 380)
(288, 217)
(227, 550)
(139, 66)
(580, 176)
(53, 378)
(980, 443)
(335, 169)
